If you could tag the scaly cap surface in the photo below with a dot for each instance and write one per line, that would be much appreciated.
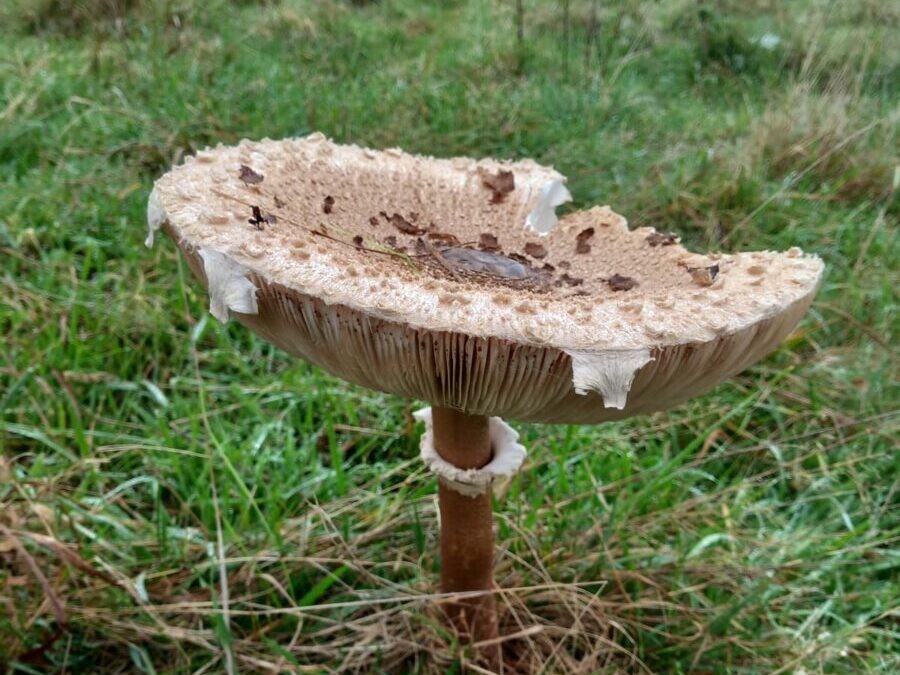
(446, 280)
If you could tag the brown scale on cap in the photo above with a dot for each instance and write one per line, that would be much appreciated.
(765, 292)
(444, 238)
(569, 280)
(662, 238)
(488, 242)
(704, 276)
(501, 183)
(619, 282)
(402, 224)
(249, 176)
(582, 244)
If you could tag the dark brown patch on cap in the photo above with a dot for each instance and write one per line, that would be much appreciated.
(488, 242)
(500, 184)
(357, 241)
(279, 203)
(662, 238)
(535, 250)
(328, 204)
(617, 282)
(249, 176)
(581, 241)
(373, 221)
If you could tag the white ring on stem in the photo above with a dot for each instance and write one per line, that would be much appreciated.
(506, 459)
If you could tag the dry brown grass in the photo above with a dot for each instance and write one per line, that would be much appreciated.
(375, 612)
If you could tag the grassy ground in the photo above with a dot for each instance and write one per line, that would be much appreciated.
(177, 496)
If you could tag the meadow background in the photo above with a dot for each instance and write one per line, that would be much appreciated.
(176, 496)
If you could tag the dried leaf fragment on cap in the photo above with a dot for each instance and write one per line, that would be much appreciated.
(249, 176)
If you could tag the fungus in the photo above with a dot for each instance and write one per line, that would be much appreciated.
(447, 325)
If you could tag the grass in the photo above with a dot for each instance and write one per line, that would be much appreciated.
(177, 496)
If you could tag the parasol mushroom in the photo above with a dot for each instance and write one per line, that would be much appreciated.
(452, 281)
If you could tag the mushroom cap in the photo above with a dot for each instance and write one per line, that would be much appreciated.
(434, 279)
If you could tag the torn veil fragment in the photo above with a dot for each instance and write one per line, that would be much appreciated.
(609, 373)
(228, 285)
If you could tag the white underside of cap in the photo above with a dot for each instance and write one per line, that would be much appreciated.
(507, 458)
(542, 218)
(229, 287)
(609, 373)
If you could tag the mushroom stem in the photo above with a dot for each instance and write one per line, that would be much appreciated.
(467, 533)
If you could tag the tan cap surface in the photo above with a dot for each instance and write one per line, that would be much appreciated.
(430, 278)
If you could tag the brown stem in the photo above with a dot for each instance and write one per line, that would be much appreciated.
(467, 533)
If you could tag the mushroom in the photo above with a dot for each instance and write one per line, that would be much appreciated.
(481, 333)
